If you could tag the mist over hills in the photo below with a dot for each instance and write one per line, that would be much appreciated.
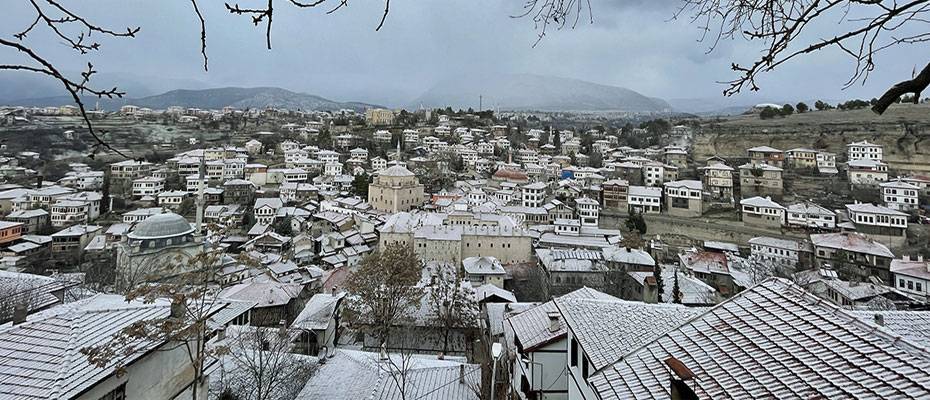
(536, 92)
(216, 98)
(501, 91)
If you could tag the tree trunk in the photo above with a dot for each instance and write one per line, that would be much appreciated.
(915, 86)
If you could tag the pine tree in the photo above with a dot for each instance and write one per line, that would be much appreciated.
(660, 286)
(676, 291)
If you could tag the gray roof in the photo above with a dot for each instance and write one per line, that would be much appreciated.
(851, 241)
(608, 329)
(40, 359)
(911, 325)
(318, 312)
(774, 340)
(359, 375)
(161, 226)
(484, 265)
(395, 170)
(531, 327)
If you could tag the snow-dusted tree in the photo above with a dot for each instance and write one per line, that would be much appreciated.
(452, 302)
(261, 366)
(384, 290)
(193, 302)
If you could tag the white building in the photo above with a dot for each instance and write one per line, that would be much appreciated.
(266, 209)
(534, 194)
(653, 173)
(809, 215)
(865, 171)
(684, 198)
(484, 270)
(779, 251)
(172, 198)
(863, 151)
(762, 211)
(588, 210)
(331, 169)
(645, 199)
(69, 212)
(912, 276)
(147, 186)
(900, 195)
(826, 163)
(877, 220)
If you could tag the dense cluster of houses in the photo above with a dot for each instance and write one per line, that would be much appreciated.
(583, 308)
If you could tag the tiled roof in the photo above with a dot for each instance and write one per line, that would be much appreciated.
(318, 312)
(531, 327)
(360, 375)
(911, 325)
(609, 329)
(41, 359)
(774, 340)
(851, 241)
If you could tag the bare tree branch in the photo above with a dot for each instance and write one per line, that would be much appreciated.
(203, 34)
(915, 86)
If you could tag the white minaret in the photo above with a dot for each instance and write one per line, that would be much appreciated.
(200, 187)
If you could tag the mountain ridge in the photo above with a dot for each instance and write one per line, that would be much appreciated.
(213, 98)
(536, 92)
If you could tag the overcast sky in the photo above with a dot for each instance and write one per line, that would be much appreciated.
(632, 44)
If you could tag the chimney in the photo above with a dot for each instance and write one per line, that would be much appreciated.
(178, 309)
(906, 257)
(335, 290)
(920, 257)
(680, 374)
(879, 319)
(554, 325)
(20, 311)
(461, 373)
(282, 328)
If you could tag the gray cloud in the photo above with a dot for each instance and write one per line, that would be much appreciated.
(631, 44)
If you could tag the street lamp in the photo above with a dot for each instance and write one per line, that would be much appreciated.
(496, 350)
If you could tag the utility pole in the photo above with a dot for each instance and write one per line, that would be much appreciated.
(480, 102)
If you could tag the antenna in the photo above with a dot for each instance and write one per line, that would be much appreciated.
(480, 102)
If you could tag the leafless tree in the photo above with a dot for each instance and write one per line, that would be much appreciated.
(76, 31)
(397, 366)
(866, 29)
(452, 304)
(384, 291)
(21, 293)
(557, 13)
(262, 364)
(194, 300)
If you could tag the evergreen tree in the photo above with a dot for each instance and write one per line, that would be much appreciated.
(660, 286)
(360, 185)
(676, 290)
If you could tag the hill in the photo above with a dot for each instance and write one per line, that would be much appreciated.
(242, 98)
(536, 92)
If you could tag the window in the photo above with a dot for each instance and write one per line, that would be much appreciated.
(901, 283)
(116, 394)
(573, 356)
(910, 285)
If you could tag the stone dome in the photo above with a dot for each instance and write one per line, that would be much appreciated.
(161, 226)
